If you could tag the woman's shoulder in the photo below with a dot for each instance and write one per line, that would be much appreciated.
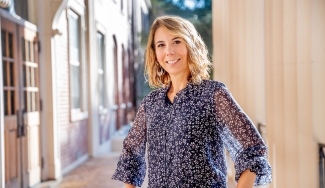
(212, 85)
(154, 94)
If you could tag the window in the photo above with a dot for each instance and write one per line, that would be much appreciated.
(129, 10)
(101, 71)
(8, 73)
(18, 7)
(75, 64)
(77, 80)
(30, 72)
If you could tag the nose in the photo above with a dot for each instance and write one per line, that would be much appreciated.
(169, 50)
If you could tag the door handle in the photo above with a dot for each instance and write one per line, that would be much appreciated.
(21, 131)
(23, 127)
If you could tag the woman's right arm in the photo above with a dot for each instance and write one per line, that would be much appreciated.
(131, 167)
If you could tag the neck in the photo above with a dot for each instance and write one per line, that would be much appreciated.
(178, 83)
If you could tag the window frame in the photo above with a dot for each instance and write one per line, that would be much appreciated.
(122, 5)
(78, 114)
(102, 109)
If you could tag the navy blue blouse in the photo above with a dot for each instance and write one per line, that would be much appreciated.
(186, 140)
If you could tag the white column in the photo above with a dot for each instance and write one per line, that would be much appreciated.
(92, 75)
(318, 76)
(292, 84)
(258, 65)
(220, 48)
(318, 69)
(290, 127)
(268, 89)
(307, 147)
(49, 119)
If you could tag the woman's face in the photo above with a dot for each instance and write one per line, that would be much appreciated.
(171, 53)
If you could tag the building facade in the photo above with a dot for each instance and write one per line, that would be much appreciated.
(270, 54)
(68, 79)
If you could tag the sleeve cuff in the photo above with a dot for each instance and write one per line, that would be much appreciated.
(252, 159)
(130, 172)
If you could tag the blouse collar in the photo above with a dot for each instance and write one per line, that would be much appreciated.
(191, 90)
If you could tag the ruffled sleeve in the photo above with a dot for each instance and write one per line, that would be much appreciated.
(131, 167)
(241, 138)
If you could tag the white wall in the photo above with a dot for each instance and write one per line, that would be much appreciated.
(271, 56)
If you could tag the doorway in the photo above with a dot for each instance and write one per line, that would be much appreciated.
(21, 105)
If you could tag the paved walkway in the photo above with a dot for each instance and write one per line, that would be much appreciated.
(94, 173)
(97, 173)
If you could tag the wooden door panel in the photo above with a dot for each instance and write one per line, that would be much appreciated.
(32, 118)
(11, 103)
(11, 158)
(12, 153)
(31, 105)
(12, 163)
(34, 165)
(21, 92)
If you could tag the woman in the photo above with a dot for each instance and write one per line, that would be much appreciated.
(187, 122)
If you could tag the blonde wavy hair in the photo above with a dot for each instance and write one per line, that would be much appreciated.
(198, 58)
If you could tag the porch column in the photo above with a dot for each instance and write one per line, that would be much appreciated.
(48, 33)
(93, 141)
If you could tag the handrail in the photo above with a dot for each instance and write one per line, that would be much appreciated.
(322, 165)
(261, 127)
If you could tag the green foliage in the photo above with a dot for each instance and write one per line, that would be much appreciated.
(200, 16)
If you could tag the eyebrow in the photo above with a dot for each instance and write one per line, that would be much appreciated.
(176, 38)
(172, 39)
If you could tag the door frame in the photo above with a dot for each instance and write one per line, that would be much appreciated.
(6, 15)
(2, 165)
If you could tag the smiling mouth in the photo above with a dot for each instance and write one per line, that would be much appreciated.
(172, 61)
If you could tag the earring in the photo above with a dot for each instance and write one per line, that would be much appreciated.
(161, 71)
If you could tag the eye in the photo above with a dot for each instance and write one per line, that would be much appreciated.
(177, 42)
(160, 45)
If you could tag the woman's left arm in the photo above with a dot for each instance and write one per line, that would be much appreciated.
(242, 140)
(246, 179)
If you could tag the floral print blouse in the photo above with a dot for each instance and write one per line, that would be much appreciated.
(185, 140)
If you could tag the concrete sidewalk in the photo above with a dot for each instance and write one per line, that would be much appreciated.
(94, 173)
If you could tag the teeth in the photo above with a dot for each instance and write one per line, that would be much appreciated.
(172, 62)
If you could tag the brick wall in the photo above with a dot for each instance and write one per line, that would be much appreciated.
(104, 127)
(74, 142)
(73, 135)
